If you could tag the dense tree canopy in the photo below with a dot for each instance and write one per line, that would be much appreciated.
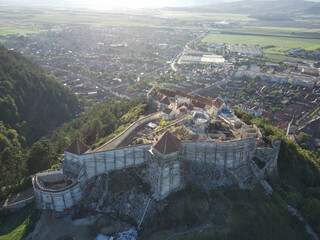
(31, 101)
(32, 104)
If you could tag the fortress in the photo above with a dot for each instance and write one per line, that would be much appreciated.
(200, 142)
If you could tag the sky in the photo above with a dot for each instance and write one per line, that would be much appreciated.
(101, 4)
(110, 4)
(107, 4)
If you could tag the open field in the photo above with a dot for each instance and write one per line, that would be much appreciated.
(276, 45)
(278, 31)
(279, 43)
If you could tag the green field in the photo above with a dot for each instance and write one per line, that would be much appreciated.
(19, 224)
(277, 31)
(277, 44)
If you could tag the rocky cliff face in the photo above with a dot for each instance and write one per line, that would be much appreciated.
(122, 193)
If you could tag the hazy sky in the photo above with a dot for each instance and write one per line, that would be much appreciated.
(108, 4)
(140, 3)
(105, 4)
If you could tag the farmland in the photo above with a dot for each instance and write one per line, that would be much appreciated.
(274, 46)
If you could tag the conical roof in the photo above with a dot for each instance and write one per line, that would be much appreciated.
(77, 147)
(167, 144)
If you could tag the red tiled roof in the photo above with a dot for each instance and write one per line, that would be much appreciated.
(166, 101)
(190, 107)
(183, 94)
(77, 147)
(167, 111)
(199, 105)
(167, 144)
(168, 93)
(217, 102)
(159, 96)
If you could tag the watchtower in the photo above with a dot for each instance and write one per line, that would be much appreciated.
(165, 165)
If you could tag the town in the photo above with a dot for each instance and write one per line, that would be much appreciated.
(124, 62)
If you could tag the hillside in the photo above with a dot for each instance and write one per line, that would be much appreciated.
(32, 102)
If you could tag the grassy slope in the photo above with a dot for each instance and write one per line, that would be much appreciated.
(19, 224)
(235, 214)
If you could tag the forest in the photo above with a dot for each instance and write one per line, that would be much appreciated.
(38, 120)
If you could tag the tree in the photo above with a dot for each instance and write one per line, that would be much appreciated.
(40, 157)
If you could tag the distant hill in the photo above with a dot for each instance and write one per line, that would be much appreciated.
(259, 9)
(32, 102)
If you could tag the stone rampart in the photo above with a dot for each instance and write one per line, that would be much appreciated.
(58, 199)
(116, 141)
(103, 162)
(208, 158)
(269, 155)
(226, 154)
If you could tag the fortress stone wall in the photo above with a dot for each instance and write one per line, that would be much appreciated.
(168, 164)
(226, 154)
(220, 157)
(105, 161)
(57, 199)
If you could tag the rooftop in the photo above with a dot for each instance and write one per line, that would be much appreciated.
(167, 144)
(77, 147)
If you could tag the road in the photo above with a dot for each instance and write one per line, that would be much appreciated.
(209, 87)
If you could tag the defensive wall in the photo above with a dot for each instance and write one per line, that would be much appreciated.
(105, 161)
(228, 154)
(57, 199)
(119, 139)
(217, 160)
